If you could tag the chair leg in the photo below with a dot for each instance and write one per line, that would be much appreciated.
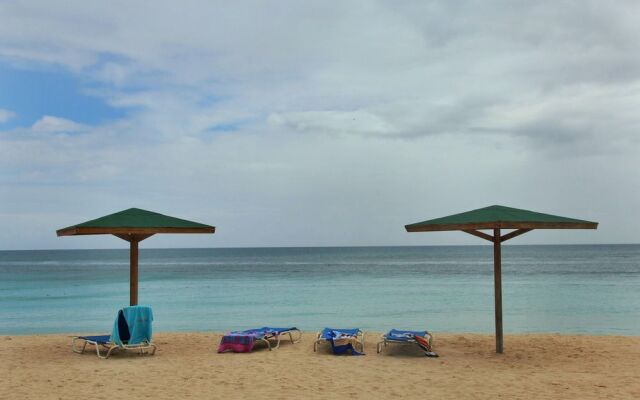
(277, 341)
(109, 352)
(318, 340)
(267, 342)
(299, 336)
(98, 352)
(74, 348)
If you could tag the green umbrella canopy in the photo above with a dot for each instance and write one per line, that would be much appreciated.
(135, 221)
(493, 217)
(135, 225)
(497, 218)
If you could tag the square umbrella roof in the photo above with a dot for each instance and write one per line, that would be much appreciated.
(135, 221)
(500, 217)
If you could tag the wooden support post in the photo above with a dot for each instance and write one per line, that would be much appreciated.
(133, 272)
(497, 283)
(133, 240)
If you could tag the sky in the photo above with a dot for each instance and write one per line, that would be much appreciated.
(317, 123)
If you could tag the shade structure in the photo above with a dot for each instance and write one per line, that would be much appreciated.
(497, 218)
(134, 225)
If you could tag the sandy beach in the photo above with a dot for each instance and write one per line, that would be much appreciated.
(535, 366)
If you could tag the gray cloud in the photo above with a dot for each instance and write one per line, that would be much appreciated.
(314, 123)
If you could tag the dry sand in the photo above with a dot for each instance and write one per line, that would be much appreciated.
(186, 366)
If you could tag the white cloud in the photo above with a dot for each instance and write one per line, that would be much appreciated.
(415, 70)
(6, 115)
(351, 117)
(50, 124)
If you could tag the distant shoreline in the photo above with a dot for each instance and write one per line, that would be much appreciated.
(142, 248)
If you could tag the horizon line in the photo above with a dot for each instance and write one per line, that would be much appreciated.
(329, 247)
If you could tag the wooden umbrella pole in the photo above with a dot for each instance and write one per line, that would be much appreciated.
(133, 271)
(497, 283)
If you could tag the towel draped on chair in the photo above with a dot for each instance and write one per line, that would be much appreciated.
(133, 326)
(244, 341)
(237, 342)
(342, 341)
(131, 331)
(420, 338)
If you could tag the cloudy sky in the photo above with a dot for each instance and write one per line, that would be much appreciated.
(317, 123)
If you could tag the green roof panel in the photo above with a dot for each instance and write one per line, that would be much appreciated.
(500, 217)
(135, 218)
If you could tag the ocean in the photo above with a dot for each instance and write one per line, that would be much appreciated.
(588, 289)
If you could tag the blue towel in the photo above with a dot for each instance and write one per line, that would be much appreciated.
(100, 339)
(327, 333)
(138, 320)
(404, 336)
(417, 337)
(278, 330)
(266, 331)
(331, 334)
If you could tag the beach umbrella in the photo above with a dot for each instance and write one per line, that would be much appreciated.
(496, 218)
(135, 225)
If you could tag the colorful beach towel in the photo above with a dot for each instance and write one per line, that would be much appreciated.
(423, 343)
(237, 342)
(343, 343)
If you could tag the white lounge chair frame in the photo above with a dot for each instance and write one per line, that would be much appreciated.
(142, 348)
(384, 341)
(276, 337)
(359, 341)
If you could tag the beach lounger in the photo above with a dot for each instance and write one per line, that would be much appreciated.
(266, 334)
(328, 335)
(422, 339)
(131, 331)
(243, 341)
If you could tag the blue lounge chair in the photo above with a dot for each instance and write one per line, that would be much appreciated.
(131, 331)
(402, 337)
(328, 334)
(266, 334)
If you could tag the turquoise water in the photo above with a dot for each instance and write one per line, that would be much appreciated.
(570, 289)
